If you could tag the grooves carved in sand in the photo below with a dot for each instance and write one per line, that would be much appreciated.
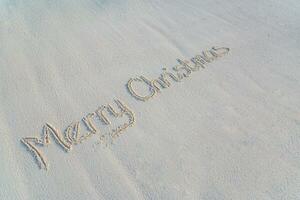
(182, 70)
(73, 134)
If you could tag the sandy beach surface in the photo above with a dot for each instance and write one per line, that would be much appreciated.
(73, 126)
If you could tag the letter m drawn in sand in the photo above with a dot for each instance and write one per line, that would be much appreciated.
(32, 144)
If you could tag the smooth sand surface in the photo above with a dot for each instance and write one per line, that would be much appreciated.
(229, 131)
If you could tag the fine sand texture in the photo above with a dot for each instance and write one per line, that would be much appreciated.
(149, 100)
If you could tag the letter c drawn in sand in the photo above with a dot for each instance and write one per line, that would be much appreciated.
(134, 93)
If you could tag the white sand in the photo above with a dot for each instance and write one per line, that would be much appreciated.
(230, 131)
